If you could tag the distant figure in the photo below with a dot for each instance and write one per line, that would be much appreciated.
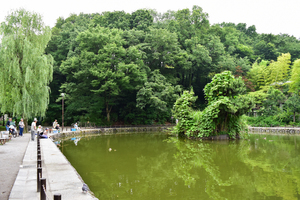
(176, 121)
(21, 127)
(54, 124)
(33, 129)
(76, 126)
(44, 134)
(40, 130)
(8, 124)
(85, 188)
(57, 126)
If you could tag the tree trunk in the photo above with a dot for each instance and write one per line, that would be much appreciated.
(107, 115)
(294, 117)
(108, 112)
(25, 130)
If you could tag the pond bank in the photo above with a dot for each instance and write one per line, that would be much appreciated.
(60, 175)
(107, 131)
(285, 130)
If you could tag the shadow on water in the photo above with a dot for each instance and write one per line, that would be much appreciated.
(155, 166)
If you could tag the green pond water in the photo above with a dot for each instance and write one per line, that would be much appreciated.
(155, 166)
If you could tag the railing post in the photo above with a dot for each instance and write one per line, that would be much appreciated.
(38, 138)
(39, 163)
(39, 174)
(39, 156)
(57, 197)
(42, 191)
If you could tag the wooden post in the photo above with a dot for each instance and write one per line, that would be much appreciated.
(57, 197)
(39, 174)
(42, 191)
(39, 163)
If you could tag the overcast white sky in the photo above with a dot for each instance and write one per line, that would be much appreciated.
(269, 16)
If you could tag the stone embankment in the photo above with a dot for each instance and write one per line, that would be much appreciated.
(61, 177)
(108, 131)
(283, 130)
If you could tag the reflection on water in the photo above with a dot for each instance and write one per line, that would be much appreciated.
(76, 140)
(153, 166)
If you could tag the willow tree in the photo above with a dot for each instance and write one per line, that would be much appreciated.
(25, 70)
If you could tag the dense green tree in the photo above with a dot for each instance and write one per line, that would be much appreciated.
(295, 77)
(116, 19)
(158, 94)
(25, 69)
(266, 50)
(227, 102)
(163, 52)
(278, 71)
(258, 74)
(182, 45)
(61, 46)
(293, 104)
(188, 23)
(109, 67)
(141, 20)
(271, 105)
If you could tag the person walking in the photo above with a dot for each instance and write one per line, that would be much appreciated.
(33, 129)
(21, 127)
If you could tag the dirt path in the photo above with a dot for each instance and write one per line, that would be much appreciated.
(11, 157)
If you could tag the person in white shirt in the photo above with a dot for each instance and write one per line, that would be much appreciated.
(54, 124)
(76, 126)
(40, 129)
(33, 129)
(21, 127)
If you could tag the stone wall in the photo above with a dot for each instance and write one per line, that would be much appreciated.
(284, 130)
(108, 131)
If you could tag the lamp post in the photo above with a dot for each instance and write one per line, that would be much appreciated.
(62, 121)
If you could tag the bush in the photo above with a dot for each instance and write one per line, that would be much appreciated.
(263, 121)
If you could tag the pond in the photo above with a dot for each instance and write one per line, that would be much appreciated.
(156, 166)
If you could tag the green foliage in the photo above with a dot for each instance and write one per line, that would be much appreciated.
(262, 121)
(182, 110)
(157, 93)
(295, 76)
(226, 104)
(105, 65)
(92, 53)
(273, 101)
(292, 104)
(25, 69)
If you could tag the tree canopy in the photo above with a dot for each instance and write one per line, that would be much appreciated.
(25, 69)
(115, 66)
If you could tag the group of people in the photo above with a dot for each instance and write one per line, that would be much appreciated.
(12, 124)
(34, 129)
(55, 125)
(39, 131)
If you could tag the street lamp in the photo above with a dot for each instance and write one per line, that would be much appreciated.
(63, 95)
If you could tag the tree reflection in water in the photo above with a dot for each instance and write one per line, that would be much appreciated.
(150, 167)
